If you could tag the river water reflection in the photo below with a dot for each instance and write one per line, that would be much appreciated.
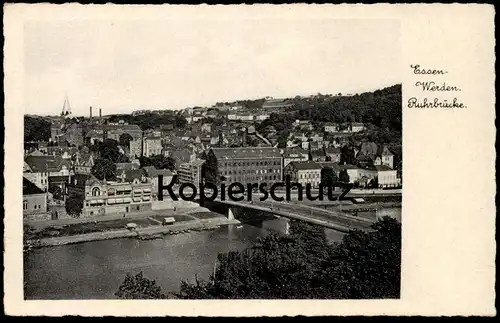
(94, 270)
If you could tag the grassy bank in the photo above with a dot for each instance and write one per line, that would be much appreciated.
(203, 224)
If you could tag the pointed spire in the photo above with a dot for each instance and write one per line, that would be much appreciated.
(66, 107)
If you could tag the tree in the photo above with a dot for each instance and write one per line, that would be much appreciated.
(104, 168)
(158, 161)
(367, 264)
(328, 177)
(347, 155)
(36, 129)
(74, 204)
(304, 266)
(211, 169)
(282, 140)
(344, 176)
(125, 140)
(56, 192)
(138, 287)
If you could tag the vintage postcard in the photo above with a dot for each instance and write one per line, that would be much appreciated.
(253, 159)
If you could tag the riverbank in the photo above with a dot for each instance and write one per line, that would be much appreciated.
(193, 225)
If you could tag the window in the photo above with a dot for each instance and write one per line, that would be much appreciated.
(25, 205)
(96, 191)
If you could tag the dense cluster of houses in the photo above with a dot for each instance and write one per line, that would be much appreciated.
(241, 153)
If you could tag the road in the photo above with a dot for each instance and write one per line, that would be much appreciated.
(335, 217)
(327, 218)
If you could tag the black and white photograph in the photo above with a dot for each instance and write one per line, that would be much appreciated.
(231, 158)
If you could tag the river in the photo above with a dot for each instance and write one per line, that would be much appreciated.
(95, 270)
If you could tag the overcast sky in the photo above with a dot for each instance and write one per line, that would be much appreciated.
(121, 66)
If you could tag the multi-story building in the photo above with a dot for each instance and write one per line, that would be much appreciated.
(83, 163)
(136, 148)
(152, 146)
(248, 165)
(262, 117)
(357, 127)
(295, 154)
(387, 177)
(304, 173)
(131, 192)
(55, 131)
(34, 201)
(333, 154)
(191, 172)
(241, 117)
(318, 155)
(366, 176)
(331, 127)
(387, 158)
(38, 169)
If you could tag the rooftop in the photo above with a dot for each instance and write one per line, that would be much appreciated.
(29, 188)
(382, 168)
(246, 152)
(305, 165)
(152, 171)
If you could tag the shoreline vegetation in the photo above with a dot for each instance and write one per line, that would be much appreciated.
(301, 265)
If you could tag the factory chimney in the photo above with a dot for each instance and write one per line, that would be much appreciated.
(90, 114)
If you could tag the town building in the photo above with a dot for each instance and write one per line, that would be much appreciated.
(352, 172)
(131, 192)
(83, 163)
(295, 154)
(127, 166)
(55, 131)
(152, 173)
(248, 164)
(34, 202)
(191, 172)
(338, 139)
(206, 127)
(303, 125)
(152, 146)
(304, 173)
(261, 117)
(331, 127)
(63, 152)
(333, 154)
(366, 177)
(387, 158)
(241, 117)
(318, 155)
(387, 177)
(357, 127)
(38, 169)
